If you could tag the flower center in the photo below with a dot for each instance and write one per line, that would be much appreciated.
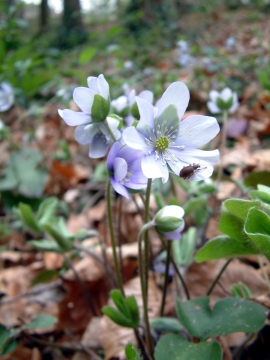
(162, 143)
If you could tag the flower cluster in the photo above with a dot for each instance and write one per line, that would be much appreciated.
(160, 143)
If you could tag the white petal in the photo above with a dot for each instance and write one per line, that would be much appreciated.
(202, 173)
(197, 130)
(99, 146)
(133, 139)
(174, 211)
(103, 87)
(212, 106)
(73, 118)
(84, 97)
(213, 95)
(147, 96)
(177, 94)
(120, 103)
(113, 125)
(83, 137)
(146, 114)
(197, 156)
(234, 106)
(153, 169)
(92, 84)
(226, 94)
(131, 97)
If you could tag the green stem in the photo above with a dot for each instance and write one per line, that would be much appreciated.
(166, 281)
(111, 229)
(109, 130)
(142, 267)
(223, 144)
(146, 238)
(218, 277)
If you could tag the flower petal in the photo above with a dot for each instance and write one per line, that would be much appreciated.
(146, 111)
(84, 97)
(85, 134)
(226, 94)
(92, 84)
(131, 97)
(103, 87)
(197, 156)
(213, 95)
(212, 106)
(153, 169)
(202, 173)
(197, 130)
(147, 96)
(120, 168)
(177, 94)
(113, 125)
(133, 139)
(73, 118)
(99, 146)
(119, 188)
(113, 153)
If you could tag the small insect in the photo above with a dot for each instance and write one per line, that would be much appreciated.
(189, 170)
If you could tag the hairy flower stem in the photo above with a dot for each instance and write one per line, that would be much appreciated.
(146, 239)
(218, 277)
(223, 144)
(166, 281)
(109, 130)
(143, 268)
(111, 229)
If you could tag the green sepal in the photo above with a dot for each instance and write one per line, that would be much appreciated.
(100, 109)
(168, 224)
(224, 105)
(135, 111)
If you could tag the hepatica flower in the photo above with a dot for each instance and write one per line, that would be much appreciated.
(225, 100)
(92, 122)
(6, 96)
(169, 144)
(124, 165)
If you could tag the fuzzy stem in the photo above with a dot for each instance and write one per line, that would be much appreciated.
(166, 281)
(223, 144)
(142, 267)
(111, 229)
(218, 277)
(146, 238)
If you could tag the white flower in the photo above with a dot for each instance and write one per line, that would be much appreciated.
(168, 143)
(225, 100)
(6, 96)
(169, 222)
(120, 104)
(84, 98)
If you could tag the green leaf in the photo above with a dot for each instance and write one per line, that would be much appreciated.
(229, 315)
(264, 188)
(134, 313)
(86, 55)
(28, 219)
(119, 301)
(100, 109)
(241, 290)
(117, 317)
(261, 195)
(255, 178)
(132, 353)
(44, 276)
(47, 209)
(7, 343)
(174, 347)
(45, 245)
(166, 324)
(183, 250)
(41, 321)
(53, 230)
(224, 247)
(194, 203)
(257, 228)
(239, 207)
(231, 225)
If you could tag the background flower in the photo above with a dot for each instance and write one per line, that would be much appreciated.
(124, 165)
(6, 96)
(168, 144)
(225, 100)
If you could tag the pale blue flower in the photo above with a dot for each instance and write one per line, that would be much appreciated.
(124, 165)
(6, 96)
(169, 222)
(169, 144)
(225, 100)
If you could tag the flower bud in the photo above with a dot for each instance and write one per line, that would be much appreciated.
(169, 218)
